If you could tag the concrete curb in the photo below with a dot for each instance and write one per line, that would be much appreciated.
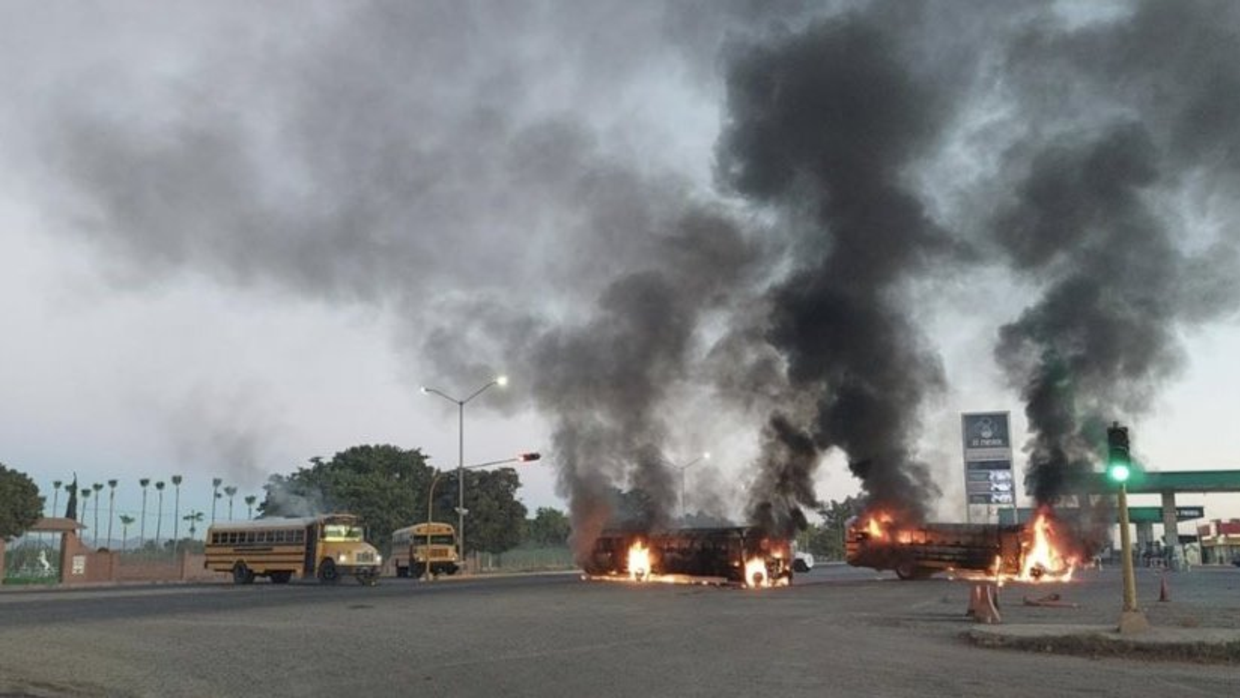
(1206, 645)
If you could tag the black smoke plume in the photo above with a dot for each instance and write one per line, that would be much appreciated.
(1089, 219)
(821, 127)
(487, 177)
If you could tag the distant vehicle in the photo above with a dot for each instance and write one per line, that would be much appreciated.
(802, 562)
(327, 547)
(413, 546)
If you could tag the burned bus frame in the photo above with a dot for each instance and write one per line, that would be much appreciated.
(706, 554)
(918, 552)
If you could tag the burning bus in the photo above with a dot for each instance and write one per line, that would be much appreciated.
(1026, 552)
(743, 556)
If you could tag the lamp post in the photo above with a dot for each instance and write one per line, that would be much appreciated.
(683, 468)
(430, 503)
(501, 381)
(111, 503)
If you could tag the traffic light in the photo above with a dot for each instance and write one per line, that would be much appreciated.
(526, 457)
(1119, 460)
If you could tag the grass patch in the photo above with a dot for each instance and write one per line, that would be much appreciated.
(1101, 646)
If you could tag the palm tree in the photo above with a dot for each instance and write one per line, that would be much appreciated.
(55, 494)
(159, 520)
(111, 503)
(176, 514)
(142, 527)
(97, 487)
(249, 503)
(85, 503)
(215, 494)
(125, 521)
(231, 492)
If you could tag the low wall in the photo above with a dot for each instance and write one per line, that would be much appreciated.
(186, 568)
(81, 565)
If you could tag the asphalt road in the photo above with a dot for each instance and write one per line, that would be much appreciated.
(837, 632)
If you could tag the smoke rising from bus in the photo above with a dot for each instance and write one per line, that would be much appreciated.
(708, 224)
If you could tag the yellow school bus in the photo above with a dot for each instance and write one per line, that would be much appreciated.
(410, 549)
(326, 547)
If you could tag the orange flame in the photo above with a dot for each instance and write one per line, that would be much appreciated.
(755, 573)
(639, 561)
(875, 525)
(1043, 561)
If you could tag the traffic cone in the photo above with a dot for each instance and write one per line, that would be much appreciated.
(1163, 593)
(982, 604)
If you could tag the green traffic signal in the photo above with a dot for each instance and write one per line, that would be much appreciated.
(1119, 472)
(1119, 459)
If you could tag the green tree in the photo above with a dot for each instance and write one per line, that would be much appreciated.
(231, 491)
(549, 527)
(384, 484)
(496, 520)
(20, 503)
(827, 540)
(126, 520)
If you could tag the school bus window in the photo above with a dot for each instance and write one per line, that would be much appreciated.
(341, 532)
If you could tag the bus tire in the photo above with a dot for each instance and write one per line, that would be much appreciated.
(906, 570)
(328, 574)
(242, 574)
(281, 577)
(910, 571)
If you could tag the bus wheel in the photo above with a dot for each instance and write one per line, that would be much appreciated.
(242, 574)
(281, 577)
(327, 572)
(906, 570)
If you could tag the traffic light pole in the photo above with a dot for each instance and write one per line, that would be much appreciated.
(1119, 468)
(1131, 619)
(430, 507)
(1125, 541)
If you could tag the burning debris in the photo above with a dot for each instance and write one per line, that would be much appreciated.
(737, 556)
(1036, 552)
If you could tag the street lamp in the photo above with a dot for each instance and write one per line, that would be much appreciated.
(683, 468)
(501, 381)
(430, 504)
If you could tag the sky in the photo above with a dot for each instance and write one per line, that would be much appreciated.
(804, 237)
